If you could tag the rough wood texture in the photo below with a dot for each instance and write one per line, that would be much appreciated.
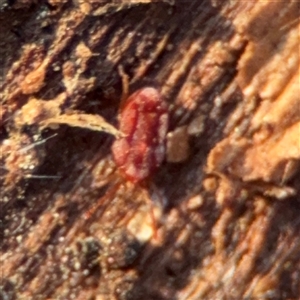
(229, 219)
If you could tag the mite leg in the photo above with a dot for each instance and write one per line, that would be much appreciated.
(152, 206)
(125, 86)
(101, 201)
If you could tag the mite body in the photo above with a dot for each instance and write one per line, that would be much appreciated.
(143, 121)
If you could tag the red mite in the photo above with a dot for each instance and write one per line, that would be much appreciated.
(143, 122)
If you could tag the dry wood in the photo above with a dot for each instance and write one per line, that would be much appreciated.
(227, 208)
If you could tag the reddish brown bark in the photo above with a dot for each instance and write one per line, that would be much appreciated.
(228, 218)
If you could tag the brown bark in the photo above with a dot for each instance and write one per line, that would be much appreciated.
(227, 226)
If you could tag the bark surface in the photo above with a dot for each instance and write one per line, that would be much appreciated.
(226, 215)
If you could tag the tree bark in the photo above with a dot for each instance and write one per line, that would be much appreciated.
(220, 220)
